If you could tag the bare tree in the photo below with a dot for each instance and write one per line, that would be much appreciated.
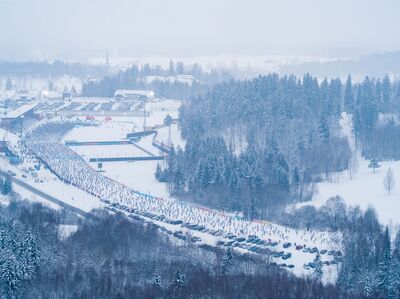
(353, 165)
(388, 180)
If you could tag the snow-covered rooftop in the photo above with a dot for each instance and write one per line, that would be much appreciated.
(20, 111)
(134, 92)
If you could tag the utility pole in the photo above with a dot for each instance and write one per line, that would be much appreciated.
(22, 124)
(144, 115)
(5, 137)
(169, 135)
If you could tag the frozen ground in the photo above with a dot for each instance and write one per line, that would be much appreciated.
(115, 130)
(364, 187)
(101, 151)
(138, 175)
(45, 181)
(176, 139)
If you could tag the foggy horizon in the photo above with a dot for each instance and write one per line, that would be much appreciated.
(76, 30)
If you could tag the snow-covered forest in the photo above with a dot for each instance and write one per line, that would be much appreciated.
(199, 149)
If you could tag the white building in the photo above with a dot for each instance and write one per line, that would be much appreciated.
(133, 94)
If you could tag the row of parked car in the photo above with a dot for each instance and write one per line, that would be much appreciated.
(72, 106)
(252, 243)
(89, 107)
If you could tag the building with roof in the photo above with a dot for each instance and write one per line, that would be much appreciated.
(50, 95)
(133, 94)
(14, 118)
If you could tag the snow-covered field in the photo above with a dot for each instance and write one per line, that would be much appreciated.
(176, 139)
(363, 187)
(47, 182)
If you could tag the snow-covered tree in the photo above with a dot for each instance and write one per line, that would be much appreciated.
(367, 288)
(157, 280)
(6, 186)
(180, 279)
(10, 277)
(384, 279)
(374, 164)
(318, 266)
(159, 174)
(227, 260)
(348, 95)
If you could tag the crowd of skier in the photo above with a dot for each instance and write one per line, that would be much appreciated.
(44, 142)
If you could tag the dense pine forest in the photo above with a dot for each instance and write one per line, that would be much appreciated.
(263, 139)
(255, 144)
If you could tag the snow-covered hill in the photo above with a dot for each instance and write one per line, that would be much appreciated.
(361, 186)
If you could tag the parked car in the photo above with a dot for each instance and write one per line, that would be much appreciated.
(195, 239)
(279, 254)
(287, 245)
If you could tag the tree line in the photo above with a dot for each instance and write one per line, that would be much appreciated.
(55, 68)
(117, 258)
(375, 105)
(135, 77)
(256, 143)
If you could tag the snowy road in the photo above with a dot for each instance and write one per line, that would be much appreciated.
(48, 197)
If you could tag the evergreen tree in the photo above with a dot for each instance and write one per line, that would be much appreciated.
(171, 70)
(30, 255)
(395, 277)
(386, 87)
(324, 129)
(180, 279)
(357, 116)
(157, 280)
(10, 279)
(368, 106)
(384, 279)
(374, 164)
(348, 95)
(159, 174)
(318, 266)
(7, 185)
(227, 260)
(367, 288)
(179, 69)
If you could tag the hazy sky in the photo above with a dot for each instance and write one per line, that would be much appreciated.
(78, 29)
